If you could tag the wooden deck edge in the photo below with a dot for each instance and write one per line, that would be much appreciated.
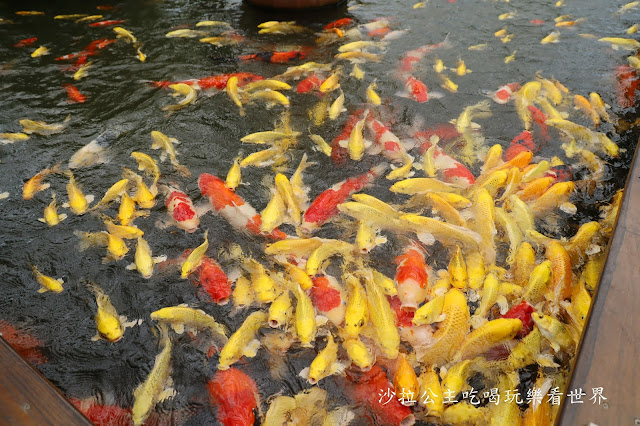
(28, 398)
(603, 341)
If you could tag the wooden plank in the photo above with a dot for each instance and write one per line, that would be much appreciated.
(27, 398)
(609, 350)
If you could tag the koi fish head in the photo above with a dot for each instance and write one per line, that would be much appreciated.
(561, 173)
(182, 211)
(522, 312)
(218, 193)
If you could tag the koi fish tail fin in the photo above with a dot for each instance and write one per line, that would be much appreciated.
(446, 43)
(379, 169)
(88, 240)
(57, 169)
(184, 171)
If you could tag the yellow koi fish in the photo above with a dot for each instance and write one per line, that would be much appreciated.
(185, 90)
(280, 310)
(78, 203)
(452, 330)
(325, 364)
(42, 128)
(195, 258)
(487, 336)
(51, 216)
(82, 71)
(40, 51)
(147, 164)
(372, 96)
(357, 314)
(554, 331)
(430, 386)
(621, 43)
(166, 144)
(108, 322)
(143, 260)
(243, 341)
(382, 317)
(182, 316)
(359, 353)
(35, 185)
(305, 324)
(243, 294)
(153, 389)
(47, 283)
(356, 139)
(125, 34)
(185, 33)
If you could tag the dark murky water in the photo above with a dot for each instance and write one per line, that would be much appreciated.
(210, 131)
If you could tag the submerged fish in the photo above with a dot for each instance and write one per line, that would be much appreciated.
(42, 128)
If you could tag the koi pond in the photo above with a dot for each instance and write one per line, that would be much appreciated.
(382, 212)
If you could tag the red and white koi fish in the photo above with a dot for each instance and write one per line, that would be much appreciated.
(182, 211)
(504, 93)
(99, 44)
(391, 146)
(403, 317)
(412, 57)
(328, 298)
(417, 90)
(560, 173)
(325, 206)
(107, 23)
(92, 49)
(412, 277)
(447, 168)
(232, 207)
(446, 132)
(72, 56)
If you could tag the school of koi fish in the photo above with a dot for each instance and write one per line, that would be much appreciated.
(444, 266)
